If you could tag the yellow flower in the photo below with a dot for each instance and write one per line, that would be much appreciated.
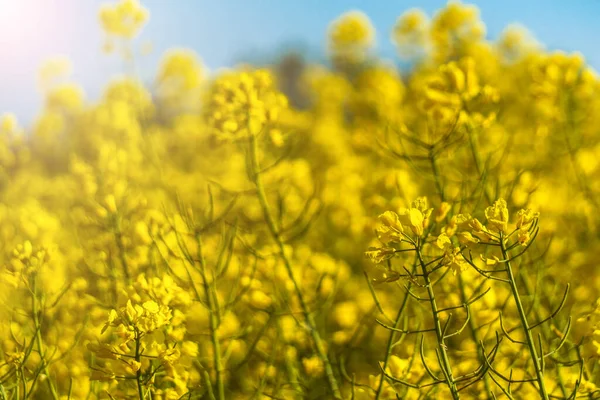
(379, 254)
(411, 30)
(416, 217)
(442, 211)
(124, 18)
(313, 366)
(351, 29)
(170, 356)
(523, 236)
(390, 229)
(8, 123)
(242, 103)
(467, 239)
(525, 217)
(151, 307)
(443, 242)
(260, 299)
(497, 216)
(454, 260)
(489, 262)
(476, 225)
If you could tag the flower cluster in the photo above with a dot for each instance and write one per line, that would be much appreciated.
(242, 104)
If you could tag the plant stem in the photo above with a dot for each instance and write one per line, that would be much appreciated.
(38, 336)
(214, 323)
(474, 334)
(121, 247)
(478, 166)
(436, 176)
(446, 369)
(390, 342)
(461, 282)
(138, 374)
(524, 323)
(274, 231)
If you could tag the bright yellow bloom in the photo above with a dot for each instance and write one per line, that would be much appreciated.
(243, 103)
(123, 19)
(390, 229)
(378, 255)
(497, 216)
(416, 217)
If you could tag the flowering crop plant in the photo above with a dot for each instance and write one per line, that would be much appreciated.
(300, 231)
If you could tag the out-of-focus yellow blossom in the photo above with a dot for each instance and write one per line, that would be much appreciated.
(242, 104)
(179, 80)
(8, 123)
(124, 18)
(411, 32)
(350, 37)
(516, 42)
(313, 366)
(454, 95)
(454, 29)
(442, 211)
(53, 71)
(67, 97)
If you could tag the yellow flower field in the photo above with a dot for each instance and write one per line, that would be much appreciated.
(303, 231)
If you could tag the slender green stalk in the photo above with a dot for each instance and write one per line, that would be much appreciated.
(138, 374)
(255, 175)
(524, 323)
(478, 164)
(121, 247)
(461, 283)
(209, 388)
(38, 336)
(446, 368)
(436, 176)
(391, 339)
(292, 371)
(213, 309)
(474, 334)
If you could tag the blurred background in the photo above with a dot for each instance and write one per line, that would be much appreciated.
(226, 32)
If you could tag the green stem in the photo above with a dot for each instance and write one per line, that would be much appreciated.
(436, 176)
(214, 323)
(274, 231)
(524, 323)
(292, 371)
(121, 247)
(474, 334)
(446, 368)
(391, 339)
(461, 283)
(138, 374)
(38, 337)
(478, 163)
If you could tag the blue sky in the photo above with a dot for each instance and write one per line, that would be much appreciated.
(224, 32)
